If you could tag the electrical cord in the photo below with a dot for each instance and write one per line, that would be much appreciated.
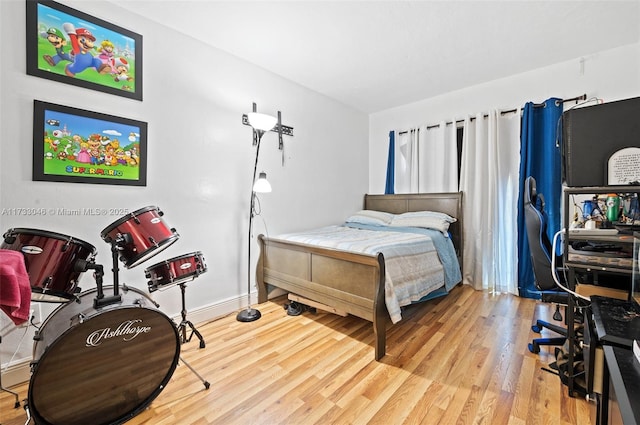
(554, 271)
(15, 353)
(257, 212)
(559, 123)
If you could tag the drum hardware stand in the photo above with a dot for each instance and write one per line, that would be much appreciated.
(17, 402)
(116, 246)
(182, 328)
(99, 300)
(26, 409)
(204, 382)
(6, 390)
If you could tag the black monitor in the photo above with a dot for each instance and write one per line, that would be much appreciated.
(591, 134)
(635, 284)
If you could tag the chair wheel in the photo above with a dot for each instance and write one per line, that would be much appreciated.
(534, 348)
(537, 329)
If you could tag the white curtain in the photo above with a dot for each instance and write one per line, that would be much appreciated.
(407, 169)
(489, 180)
(427, 160)
(439, 159)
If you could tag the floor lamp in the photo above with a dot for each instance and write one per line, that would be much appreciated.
(261, 123)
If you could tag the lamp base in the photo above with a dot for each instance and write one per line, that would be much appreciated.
(248, 315)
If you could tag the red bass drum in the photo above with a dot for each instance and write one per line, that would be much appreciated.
(101, 365)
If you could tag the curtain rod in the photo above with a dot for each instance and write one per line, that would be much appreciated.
(510, 111)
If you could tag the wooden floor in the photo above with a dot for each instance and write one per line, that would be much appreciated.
(461, 359)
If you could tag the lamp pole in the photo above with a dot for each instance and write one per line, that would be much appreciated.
(261, 123)
(250, 314)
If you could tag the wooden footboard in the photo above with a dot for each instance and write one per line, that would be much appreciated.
(346, 281)
(350, 282)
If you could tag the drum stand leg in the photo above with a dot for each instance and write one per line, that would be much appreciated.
(182, 328)
(6, 390)
(26, 409)
(17, 403)
(206, 383)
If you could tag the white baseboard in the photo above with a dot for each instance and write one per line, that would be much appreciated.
(15, 374)
(213, 311)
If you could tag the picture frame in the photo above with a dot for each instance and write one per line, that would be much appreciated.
(78, 146)
(72, 47)
(623, 166)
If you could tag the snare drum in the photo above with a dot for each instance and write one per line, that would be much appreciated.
(50, 259)
(101, 365)
(175, 270)
(140, 235)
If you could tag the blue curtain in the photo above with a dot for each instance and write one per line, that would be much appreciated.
(391, 160)
(540, 157)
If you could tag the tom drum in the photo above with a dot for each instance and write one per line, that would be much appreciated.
(175, 270)
(50, 259)
(140, 235)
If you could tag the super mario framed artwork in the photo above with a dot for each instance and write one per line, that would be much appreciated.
(69, 46)
(79, 146)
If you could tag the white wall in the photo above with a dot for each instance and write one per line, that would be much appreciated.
(200, 158)
(610, 75)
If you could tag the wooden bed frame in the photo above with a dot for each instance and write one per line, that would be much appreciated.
(353, 283)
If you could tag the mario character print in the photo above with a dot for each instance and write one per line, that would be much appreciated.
(82, 43)
(59, 43)
(122, 70)
(72, 47)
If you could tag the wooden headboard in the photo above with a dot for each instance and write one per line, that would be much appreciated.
(448, 203)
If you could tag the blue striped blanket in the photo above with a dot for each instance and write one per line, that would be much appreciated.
(413, 262)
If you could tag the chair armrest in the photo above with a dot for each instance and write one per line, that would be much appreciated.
(557, 297)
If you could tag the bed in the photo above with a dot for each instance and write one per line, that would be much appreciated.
(351, 282)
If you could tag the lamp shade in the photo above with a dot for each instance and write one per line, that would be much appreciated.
(262, 185)
(261, 122)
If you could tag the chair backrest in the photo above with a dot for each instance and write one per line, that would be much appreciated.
(539, 243)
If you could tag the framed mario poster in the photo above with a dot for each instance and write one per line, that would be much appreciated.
(69, 46)
(79, 146)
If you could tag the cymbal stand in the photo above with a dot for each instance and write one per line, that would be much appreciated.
(182, 328)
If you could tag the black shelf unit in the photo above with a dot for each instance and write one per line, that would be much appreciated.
(574, 267)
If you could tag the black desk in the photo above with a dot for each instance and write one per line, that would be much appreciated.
(623, 373)
(617, 322)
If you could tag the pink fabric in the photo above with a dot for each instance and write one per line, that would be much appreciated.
(15, 287)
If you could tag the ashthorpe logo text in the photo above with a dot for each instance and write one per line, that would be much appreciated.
(127, 330)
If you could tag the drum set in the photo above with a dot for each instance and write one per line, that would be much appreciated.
(103, 358)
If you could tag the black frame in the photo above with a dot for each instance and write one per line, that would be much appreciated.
(99, 173)
(122, 85)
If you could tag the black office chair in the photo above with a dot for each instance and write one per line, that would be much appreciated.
(541, 252)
